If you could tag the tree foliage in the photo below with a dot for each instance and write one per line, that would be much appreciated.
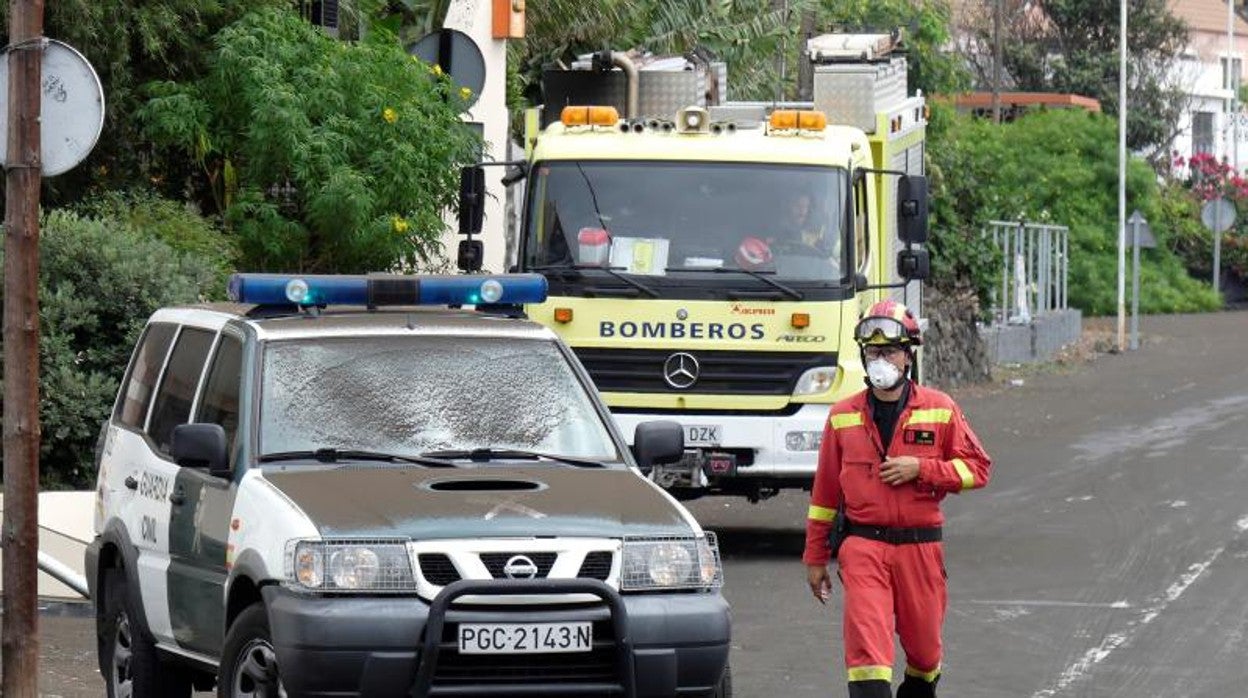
(1071, 46)
(322, 155)
(130, 43)
(1053, 167)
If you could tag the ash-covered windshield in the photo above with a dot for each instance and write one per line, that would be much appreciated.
(664, 219)
(409, 395)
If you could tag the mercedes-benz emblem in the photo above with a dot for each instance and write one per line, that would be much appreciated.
(520, 567)
(681, 370)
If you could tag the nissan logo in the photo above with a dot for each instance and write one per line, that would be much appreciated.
(681, 370)
(520, 567)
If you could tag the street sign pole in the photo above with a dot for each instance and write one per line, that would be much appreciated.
(19, 640)
(1217, 251)
(1122, 173)
(1135, 281)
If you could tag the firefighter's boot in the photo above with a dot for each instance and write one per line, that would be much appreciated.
(870, 689)
(916, 687)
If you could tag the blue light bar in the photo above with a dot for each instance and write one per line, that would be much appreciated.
(378, 290)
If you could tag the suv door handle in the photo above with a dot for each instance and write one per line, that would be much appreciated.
(131, 483)
(178, 497)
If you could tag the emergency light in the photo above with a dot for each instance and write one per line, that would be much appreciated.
(375, 290)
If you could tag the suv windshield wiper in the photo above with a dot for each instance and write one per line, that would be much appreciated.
(790, 292)
(334, 455)
(488, 454)
(612, 271)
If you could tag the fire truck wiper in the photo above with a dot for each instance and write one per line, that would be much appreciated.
(580, 267)
(790, 292)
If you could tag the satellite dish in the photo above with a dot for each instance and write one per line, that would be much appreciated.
(458, 56)
(71, 113)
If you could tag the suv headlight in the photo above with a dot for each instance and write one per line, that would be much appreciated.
(816, 381)
(663, 563)
(349, 566)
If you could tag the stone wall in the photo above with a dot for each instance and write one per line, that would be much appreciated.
(953, 352)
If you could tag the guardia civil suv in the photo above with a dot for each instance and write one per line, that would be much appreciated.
(389, 486)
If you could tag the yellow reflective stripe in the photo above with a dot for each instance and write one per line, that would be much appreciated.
(928, 676)
(938, 415)
(819, 513)
(964, 472)
(849, 419)
(870, 673)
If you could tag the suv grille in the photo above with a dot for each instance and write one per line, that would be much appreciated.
(597, 565)
(495, 562)
(440, 571)
(721, 372)
(438, 568)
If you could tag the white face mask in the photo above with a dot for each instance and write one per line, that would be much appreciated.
(883, 374)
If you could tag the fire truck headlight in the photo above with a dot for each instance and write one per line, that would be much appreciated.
(816, 381)
(803, 440)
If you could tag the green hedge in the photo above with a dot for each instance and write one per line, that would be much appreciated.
(1056, 167)
(99, 279)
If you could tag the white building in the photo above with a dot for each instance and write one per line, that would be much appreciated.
(1207, 126)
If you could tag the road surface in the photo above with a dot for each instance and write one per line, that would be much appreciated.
(1108, 557)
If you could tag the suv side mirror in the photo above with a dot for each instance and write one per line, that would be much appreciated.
(201, 446)
(912, 209)
(658, 442)
(471, 200)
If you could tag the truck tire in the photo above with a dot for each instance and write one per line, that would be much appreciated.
(724, 689)
(248, 662)
(132, 666)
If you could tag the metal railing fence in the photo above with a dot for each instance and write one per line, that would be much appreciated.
(1034, 272)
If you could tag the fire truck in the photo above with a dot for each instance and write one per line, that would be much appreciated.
(707, 260)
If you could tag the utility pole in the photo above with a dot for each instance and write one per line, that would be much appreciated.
(996, 61)
(19, 641)
(1122, 176)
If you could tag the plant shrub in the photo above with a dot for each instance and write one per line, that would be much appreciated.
(99, 279)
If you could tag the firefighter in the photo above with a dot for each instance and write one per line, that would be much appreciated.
(889, 456)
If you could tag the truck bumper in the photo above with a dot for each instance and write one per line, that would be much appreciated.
(671, 645)
(765, 436)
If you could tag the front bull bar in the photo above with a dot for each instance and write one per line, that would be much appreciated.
(423, 687)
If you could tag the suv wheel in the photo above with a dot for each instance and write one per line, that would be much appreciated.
(132, 667)
(248, 662)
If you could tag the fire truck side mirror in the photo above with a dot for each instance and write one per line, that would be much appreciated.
(471, 200)
(914, 264)
(912, 209)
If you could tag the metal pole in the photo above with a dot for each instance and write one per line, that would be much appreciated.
(19, 640)
(1135, 285)
(1232, 79)
(1217, 247)
(996, 61)
(1122, 174)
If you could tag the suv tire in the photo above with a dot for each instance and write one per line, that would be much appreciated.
(132, 666)
(248, 661)
(724, 689)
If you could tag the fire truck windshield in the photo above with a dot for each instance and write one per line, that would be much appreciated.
(670, 223)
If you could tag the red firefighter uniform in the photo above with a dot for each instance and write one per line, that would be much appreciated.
(884, 581)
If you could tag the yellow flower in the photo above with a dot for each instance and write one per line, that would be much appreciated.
(436, 69)
(465, 93)
(390, 115)
(399, 225)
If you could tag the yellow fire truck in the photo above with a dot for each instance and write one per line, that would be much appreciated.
(707, 260)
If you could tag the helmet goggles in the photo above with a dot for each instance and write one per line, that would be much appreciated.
(881, 330)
